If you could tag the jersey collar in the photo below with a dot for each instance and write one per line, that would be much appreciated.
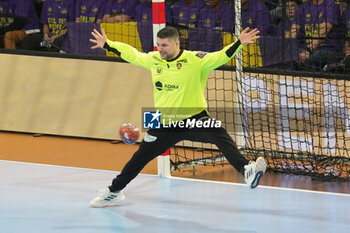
(180, 53)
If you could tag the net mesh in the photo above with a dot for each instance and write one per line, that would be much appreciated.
(299, 124)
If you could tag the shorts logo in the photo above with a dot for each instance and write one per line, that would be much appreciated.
(151, 119)
(149, 138)
(201, 54)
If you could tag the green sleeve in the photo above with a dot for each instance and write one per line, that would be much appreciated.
(127, 53)
(211, 61)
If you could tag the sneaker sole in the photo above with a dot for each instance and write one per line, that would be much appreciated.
(114, 203)
(256, 180)
(261, 167)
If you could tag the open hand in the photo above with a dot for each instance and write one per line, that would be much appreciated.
(100, 39)
(248, 37)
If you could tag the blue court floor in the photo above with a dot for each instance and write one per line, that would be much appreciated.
(49, 199)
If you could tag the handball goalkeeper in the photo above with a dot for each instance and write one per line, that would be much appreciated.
(185, 73)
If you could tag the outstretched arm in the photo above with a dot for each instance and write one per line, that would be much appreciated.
(125, 51)
(248, 37)
(100, 39)
(210, 61)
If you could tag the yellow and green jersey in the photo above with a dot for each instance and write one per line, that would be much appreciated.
(179, 84)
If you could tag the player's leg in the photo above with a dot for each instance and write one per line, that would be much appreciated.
(154, 143)
(252, 171)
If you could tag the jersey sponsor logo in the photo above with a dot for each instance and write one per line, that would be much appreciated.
(167, 87)
(159, 86)
(182, 60)
(170, 87)
(201, 54)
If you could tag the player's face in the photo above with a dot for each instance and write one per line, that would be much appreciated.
(168, 48)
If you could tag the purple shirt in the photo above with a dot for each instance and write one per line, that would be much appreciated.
(347, 21)
(26, 9)
(211, 24)
(143, 17)
(56, 14)
(257, 15)
(186, 15)
(220, 19)
(125, 7)
(287, 26)
(5, 9)
(309, 17)
(89, 11)
(77, 40)
(346, 16)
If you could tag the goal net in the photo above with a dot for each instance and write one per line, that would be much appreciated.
(298, 121)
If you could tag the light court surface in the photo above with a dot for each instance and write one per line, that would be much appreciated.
(44, 198)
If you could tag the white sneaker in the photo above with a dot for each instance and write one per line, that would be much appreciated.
(254, 171)
(106, 197)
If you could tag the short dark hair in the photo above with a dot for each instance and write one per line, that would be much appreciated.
(168, 32)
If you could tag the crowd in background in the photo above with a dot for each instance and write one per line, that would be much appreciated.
(311, 34)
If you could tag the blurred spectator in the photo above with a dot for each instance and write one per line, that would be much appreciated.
(88, 16)
(277, 13)
(184, 14)
(318, 21)
(89, 11)
(285, 24)
(281, 51)
(346, 60)
(256, 15)
(119, 11)
(271, 4)
(54, 18)
(213, 20)
(22, 20)
(342, 4)
(6, 19)
(143, 17)
(344, 64)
